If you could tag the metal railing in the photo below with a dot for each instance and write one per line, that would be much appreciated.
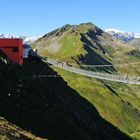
(98, 75)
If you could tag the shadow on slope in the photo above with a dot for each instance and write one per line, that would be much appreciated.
(91, 57)
(48, 107)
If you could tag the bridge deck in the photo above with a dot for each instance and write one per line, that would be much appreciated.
(98, 75)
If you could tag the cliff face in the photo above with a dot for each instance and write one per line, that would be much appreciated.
(48, 107)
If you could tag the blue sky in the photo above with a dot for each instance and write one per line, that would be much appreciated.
(36, 17)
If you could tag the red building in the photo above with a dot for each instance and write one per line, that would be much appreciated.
(13, 48)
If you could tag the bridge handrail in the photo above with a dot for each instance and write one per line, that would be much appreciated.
(98, 75)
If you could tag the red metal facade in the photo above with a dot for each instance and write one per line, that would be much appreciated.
(13, 48)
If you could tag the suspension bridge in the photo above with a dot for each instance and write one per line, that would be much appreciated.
(98, 75)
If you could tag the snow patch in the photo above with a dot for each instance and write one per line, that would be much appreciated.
(137, 35)
(123, 35)
(29, 40)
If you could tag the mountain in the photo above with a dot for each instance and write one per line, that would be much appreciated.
(47, 107)
(85, 45)
(122, 35)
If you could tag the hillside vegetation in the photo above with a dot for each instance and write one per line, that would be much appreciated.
(86, 44)
(118, 103)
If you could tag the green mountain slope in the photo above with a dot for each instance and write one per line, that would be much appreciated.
(116, 102)
(47, 106)
(86, 44)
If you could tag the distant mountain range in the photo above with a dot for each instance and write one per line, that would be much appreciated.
(26, 40)
(123, 35)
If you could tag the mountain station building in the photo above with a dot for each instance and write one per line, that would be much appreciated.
(13, 48)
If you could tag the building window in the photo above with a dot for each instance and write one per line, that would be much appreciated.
(15, 49)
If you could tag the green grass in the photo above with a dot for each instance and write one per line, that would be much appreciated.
(129, 67)
(121, 108)
(70, 46)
